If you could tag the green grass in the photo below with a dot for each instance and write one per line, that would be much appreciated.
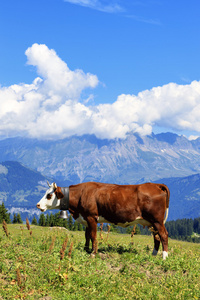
(31, 268)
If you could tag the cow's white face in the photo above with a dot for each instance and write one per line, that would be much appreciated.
(49, 201)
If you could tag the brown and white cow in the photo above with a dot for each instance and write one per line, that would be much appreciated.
(123, 205)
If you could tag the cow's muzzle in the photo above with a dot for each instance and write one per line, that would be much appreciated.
(38, 206)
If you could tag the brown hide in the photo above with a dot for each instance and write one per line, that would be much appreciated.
(122, 205)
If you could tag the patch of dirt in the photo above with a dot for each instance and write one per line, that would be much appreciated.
(59, 228)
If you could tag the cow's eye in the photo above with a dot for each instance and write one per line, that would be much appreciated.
(49, 196)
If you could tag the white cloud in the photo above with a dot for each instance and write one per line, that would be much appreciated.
(50, 107)
(104, 6)
(58, 79)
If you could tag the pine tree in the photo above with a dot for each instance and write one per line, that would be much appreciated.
(75, 227)
(14, 219)
(19, 220)
(137, 230)
(51, 220)
(42, 220)
(70, 223)
(57, 220)
(34, 221)
(4, 215)
(47, 220)
(197, 225)
(65, 223)
(80, 227)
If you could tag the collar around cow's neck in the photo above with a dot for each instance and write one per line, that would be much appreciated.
(64, 202)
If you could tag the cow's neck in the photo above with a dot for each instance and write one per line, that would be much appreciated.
(64, 202)
(74, 197)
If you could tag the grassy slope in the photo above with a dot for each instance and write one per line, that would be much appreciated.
(31, 268)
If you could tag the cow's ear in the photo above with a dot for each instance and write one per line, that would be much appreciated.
(58, 193)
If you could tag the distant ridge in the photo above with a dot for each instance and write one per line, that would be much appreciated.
(131, 160)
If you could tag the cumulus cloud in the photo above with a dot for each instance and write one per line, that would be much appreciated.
(171, 106)
(59, 82)
(51, 106)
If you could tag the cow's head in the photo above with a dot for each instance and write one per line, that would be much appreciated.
(50, 199)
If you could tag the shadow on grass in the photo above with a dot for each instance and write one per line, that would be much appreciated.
(117, 248)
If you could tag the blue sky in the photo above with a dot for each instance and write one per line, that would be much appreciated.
(120, 66)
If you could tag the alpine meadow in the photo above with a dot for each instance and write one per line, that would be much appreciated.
(49, 263)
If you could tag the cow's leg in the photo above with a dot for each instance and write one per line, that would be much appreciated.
(92, 229)
(87, 239)
(163, 234)
(156, 243)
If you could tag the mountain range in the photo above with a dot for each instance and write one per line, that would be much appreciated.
(27, 163)
(131, 160)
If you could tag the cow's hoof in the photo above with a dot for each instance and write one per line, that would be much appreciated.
(155, 252)
(87, 249)
(165, 254)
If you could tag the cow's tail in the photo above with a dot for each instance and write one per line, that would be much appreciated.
(166, 190)
(166, 214)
